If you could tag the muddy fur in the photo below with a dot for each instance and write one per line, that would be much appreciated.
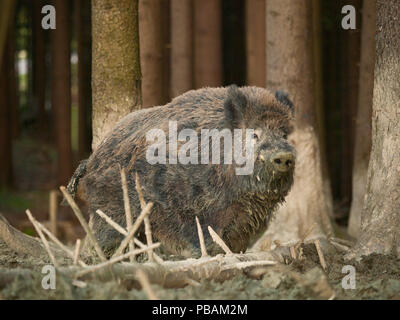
(237, 207)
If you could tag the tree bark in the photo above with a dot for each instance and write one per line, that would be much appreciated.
(255, 42)
(319, 98)
(5, 123)
(290, 67)
(362, 145)
(13, 81)
(84, 48)
(7, 8)
(181, 46)
(207, 43)
(152, 53)
(380, 219)
(61, 90)
(116, 77)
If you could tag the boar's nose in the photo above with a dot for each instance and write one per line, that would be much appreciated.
(283, 161)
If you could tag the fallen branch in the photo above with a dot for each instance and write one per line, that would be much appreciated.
(201, 239)
(216, 238)
(83, 222)
(121, 230)
(144, 282)
(320, 254)
(57, 242)
(147, 227)
(134, 228)
(43, 238)
(77, 251)
(116, 259)
(127, 207)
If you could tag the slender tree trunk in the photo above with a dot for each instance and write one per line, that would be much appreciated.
(39, 64)
(61, 90)
(5, 123)
(13, 82)
(152, 53)
(7, 8)
(181, 46)
(116, 77)
(350, 58)
(380, 218)
(362, 145)
(83, 27)
(290, 67)
(319, 99)
(255, 42)
(207, 43)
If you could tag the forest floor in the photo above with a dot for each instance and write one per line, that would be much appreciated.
(377, 277)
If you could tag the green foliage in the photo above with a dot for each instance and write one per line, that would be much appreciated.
(12, 201)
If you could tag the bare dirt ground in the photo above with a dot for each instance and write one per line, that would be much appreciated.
(377, 277)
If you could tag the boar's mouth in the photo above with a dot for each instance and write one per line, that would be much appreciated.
(267, 180)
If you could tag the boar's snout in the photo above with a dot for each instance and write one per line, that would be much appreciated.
(283, 161)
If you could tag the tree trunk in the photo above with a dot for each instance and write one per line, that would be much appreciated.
(13, 82)
(380, 218)
(5, 123)
(181, 46)
(207, 43)
(83, 28)
(61, 90)
(116, 77)
(290, 67)
(255, 42)
(362, 146)
(7, 8)
(319, 99)
(152, 53)
(39, 65)
(350, 59)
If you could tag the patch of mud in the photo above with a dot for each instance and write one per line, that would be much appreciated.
(377, 277)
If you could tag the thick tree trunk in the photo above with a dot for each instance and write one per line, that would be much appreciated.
(362, 146)
(39, 64)
(207, 43)
(116, 77)
(255, 42)
(84, 45)
(290, 67)
(380, 219)
(152, 53)
(61, 90)
(181, 46)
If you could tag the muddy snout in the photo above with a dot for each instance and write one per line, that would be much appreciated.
(283, 161)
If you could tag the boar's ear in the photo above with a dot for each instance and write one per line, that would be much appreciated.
(283, 98)
(234, 106)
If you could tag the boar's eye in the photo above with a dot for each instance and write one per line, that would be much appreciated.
(285, 136)
(255, 136)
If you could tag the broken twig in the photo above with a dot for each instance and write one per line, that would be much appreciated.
(219, 241)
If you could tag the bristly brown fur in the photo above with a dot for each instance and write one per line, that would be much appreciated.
(238, 208)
